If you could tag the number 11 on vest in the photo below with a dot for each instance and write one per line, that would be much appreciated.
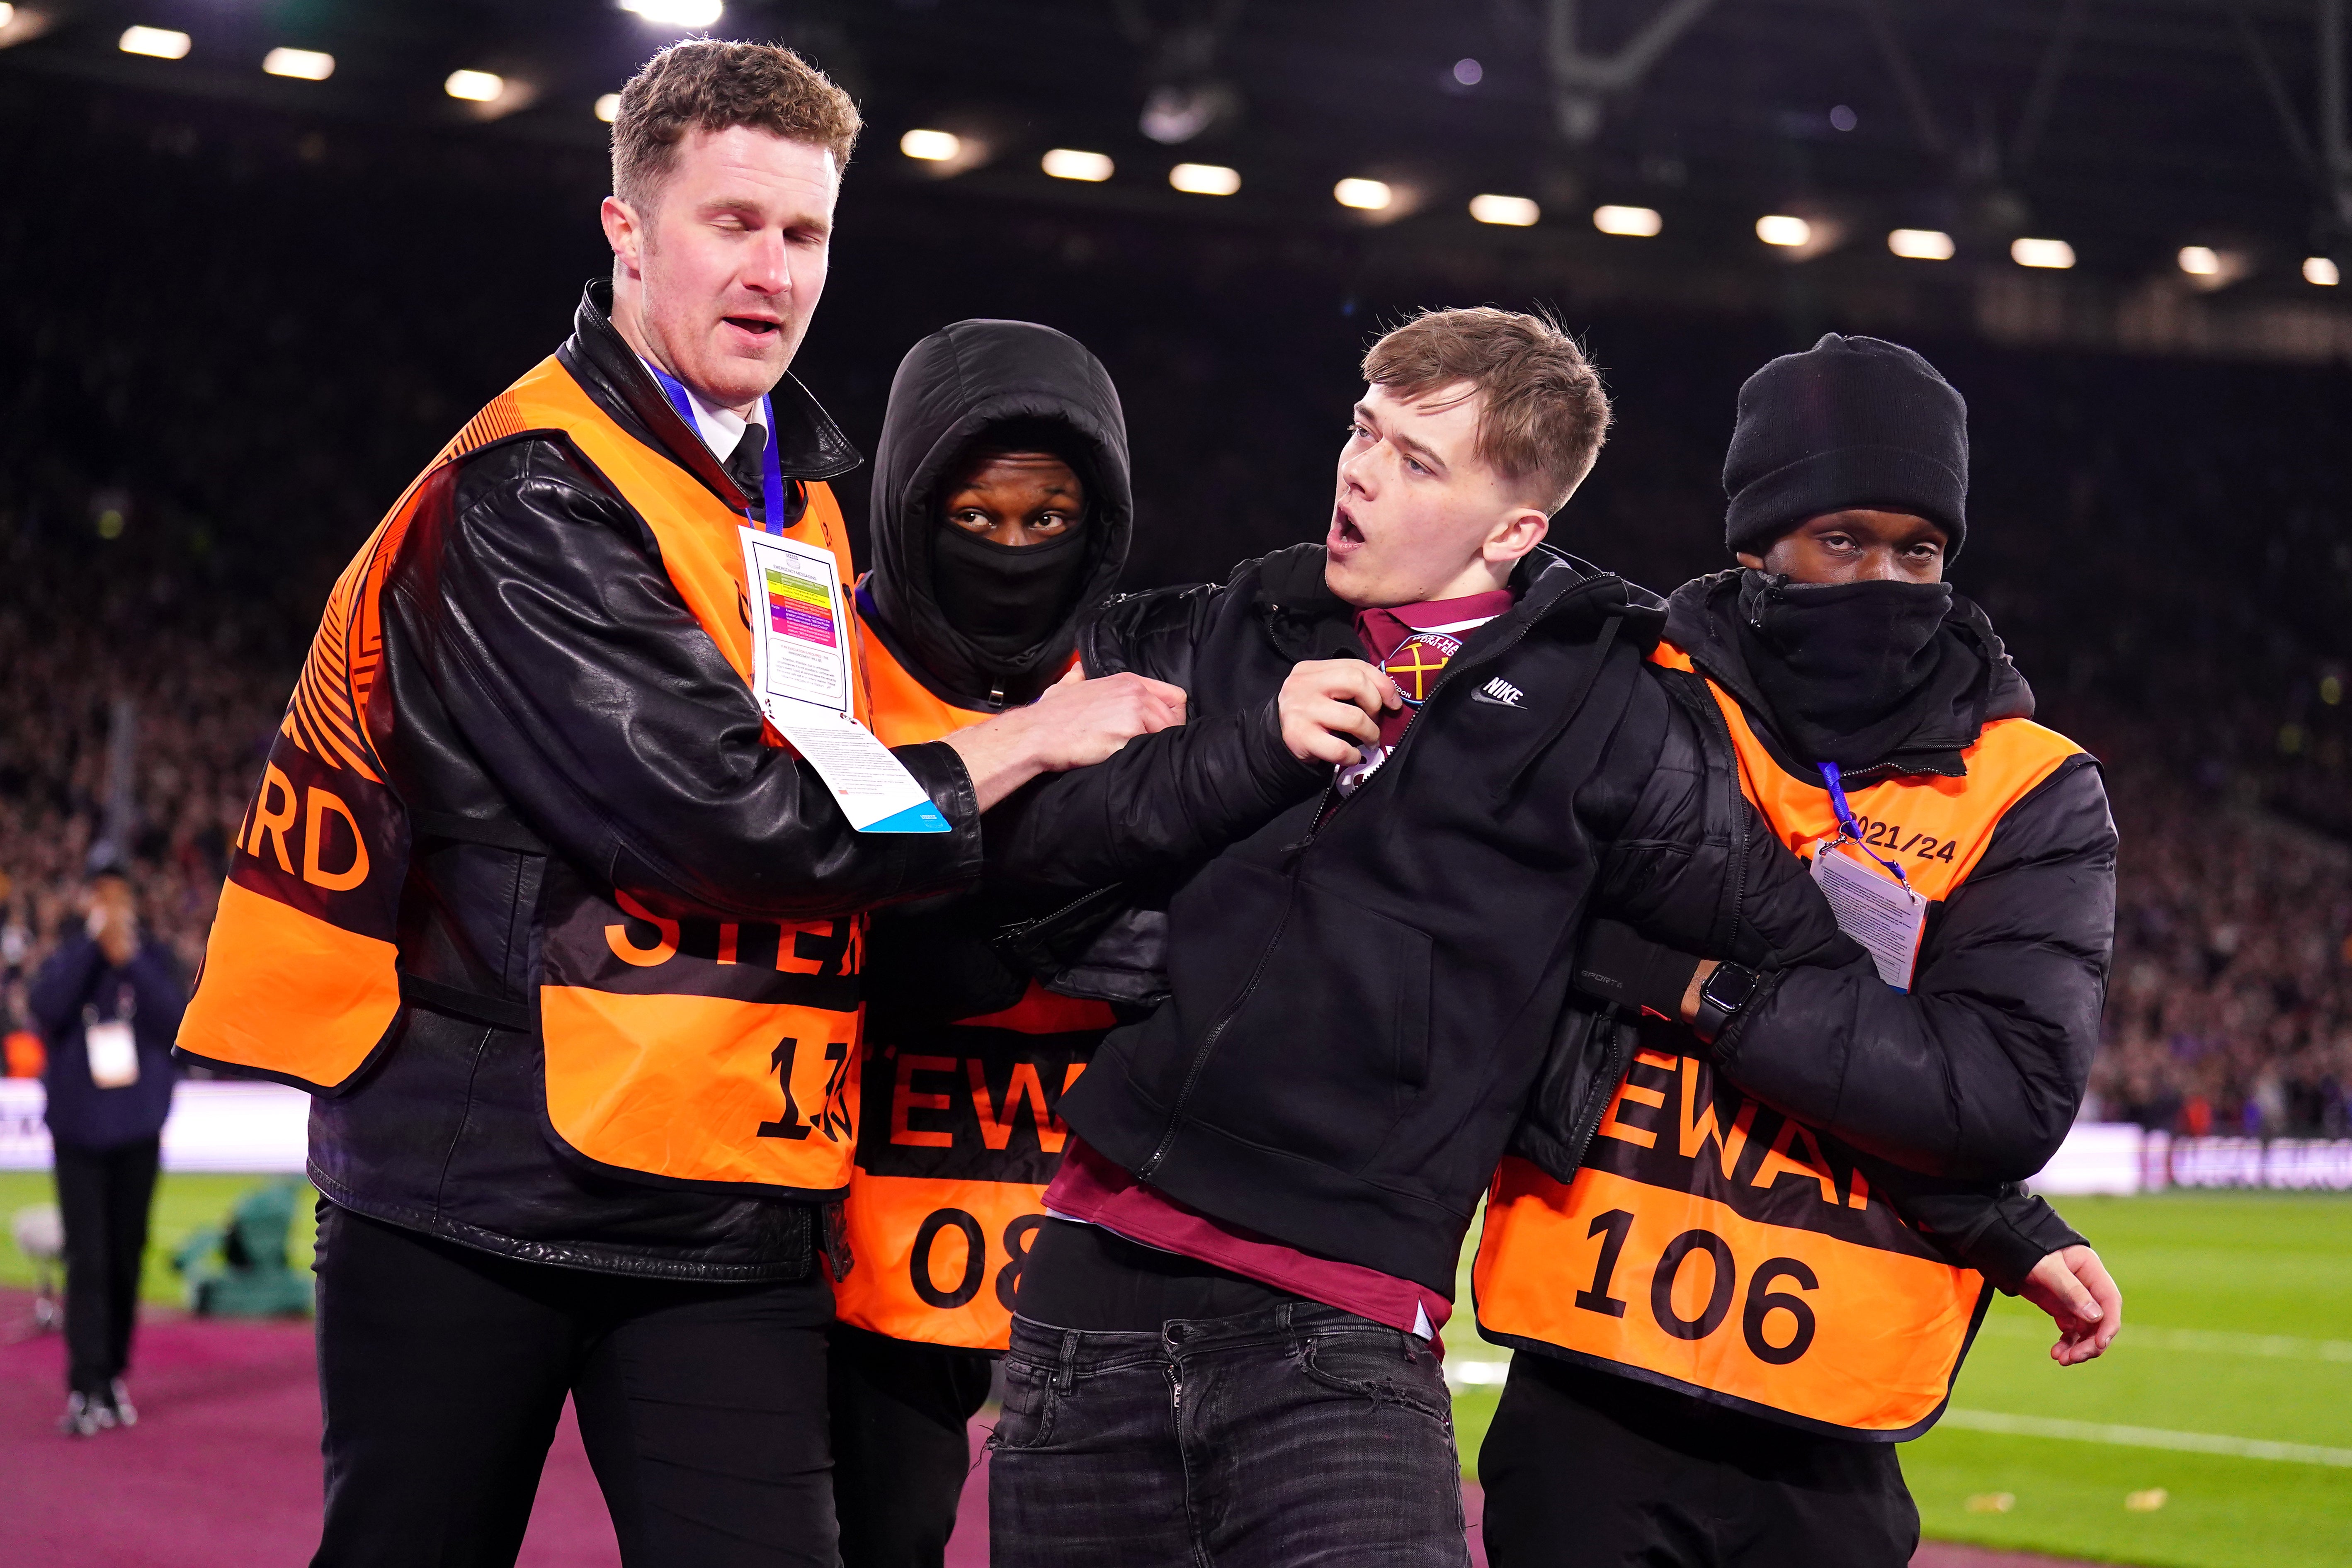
(801, 676)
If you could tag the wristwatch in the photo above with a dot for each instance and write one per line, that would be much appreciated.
(1725, 991)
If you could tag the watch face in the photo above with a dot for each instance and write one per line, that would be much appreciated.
(1730, 987)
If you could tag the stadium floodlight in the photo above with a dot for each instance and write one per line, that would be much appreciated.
(1779, 228)
(304, 64)
(161, 43)
(677, 12)
(931, 146)
(475, 87)
(1205, 179)
(1364, 195)
(1920, 244)
(1511, 212)
(608, 108)
(2198, 261)
(1069, 164)
(1640, 223)
(2321, 270)
(8, 13)
(2053, 254)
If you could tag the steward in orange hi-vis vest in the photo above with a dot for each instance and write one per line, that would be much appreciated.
(1714, 1244)
(958, 1122)
(681, 986)
(1747, 1253)
(999, 516)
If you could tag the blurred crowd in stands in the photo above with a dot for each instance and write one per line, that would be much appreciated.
(188, 452)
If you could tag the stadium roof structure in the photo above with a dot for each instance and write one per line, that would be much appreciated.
(2171, 175)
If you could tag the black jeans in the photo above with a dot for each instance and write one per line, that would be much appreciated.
(103, 1197)
(1586, 1469)
(901, 1448)
(443, 1371)
(1297, 1434)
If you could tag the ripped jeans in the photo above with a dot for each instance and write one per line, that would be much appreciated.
(1294, 1436)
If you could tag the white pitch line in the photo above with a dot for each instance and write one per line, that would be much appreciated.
(2218, 1342)
(2145, 1437)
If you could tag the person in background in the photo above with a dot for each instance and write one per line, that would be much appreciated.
(108, 1004)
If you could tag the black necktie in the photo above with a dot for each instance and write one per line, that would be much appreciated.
(744, 467)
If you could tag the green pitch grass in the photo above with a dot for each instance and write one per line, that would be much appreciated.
(2237, 1325)
(183, 1204)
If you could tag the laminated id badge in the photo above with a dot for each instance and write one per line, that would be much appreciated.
(1883, 914)
(113, 1054)
(800, 674)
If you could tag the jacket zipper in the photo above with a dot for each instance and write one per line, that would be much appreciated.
(1323, 814)
(1200, 1061)
(1588, 1123)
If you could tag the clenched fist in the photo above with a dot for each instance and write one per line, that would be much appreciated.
(1331, 709)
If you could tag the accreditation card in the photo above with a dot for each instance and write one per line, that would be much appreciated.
(800, 674)
(1883, 914)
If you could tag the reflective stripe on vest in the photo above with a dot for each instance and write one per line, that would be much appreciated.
(965, 1127)
(1709, 1244)
(698, 1052)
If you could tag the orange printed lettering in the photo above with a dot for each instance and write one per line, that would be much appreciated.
(1777, 1162)
(273, 824)
(1857, 1196)
(314, 840)
(624, 946)
(1611, 1127)
(903, 1098)
(1699, 1126)
(1024, 1084)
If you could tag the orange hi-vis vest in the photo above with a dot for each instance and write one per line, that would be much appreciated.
(706, 1053)
(1709, 1244)
(958, 1132)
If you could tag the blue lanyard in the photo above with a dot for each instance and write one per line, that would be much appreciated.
(1847, 823)
(772, 469)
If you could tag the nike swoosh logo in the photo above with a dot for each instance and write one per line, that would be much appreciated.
(1483, 695)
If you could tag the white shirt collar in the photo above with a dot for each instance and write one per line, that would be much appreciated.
(721, 429)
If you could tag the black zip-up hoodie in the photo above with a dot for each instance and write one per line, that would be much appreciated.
(1362, 1000)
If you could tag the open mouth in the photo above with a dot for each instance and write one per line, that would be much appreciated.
(1343, 528)
(755, 325)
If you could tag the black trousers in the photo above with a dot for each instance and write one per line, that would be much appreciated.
(443, 1371)
(103, 1196)
(1586, 1470)
(901, 1452)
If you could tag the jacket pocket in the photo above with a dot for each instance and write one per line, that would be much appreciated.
(1323, 1052)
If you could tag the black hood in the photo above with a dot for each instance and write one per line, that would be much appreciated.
(1703, 619)
(949, 389)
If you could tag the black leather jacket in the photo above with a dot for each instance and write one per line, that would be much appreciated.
(550, 696)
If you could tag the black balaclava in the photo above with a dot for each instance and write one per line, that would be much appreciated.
(1008, 598)
(982, 625)
(1845, 665)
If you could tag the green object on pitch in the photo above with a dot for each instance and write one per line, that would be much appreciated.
(243, 1271)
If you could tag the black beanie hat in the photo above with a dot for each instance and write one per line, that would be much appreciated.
(1851, 421)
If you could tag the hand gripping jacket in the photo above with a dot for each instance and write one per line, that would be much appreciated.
(966, 1129)
(1711, 1245)
(697, 1053)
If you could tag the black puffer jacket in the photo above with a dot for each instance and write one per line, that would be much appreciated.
(1361, 999)
(554, 703)
(1953, 1092)
(1976, 1072)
